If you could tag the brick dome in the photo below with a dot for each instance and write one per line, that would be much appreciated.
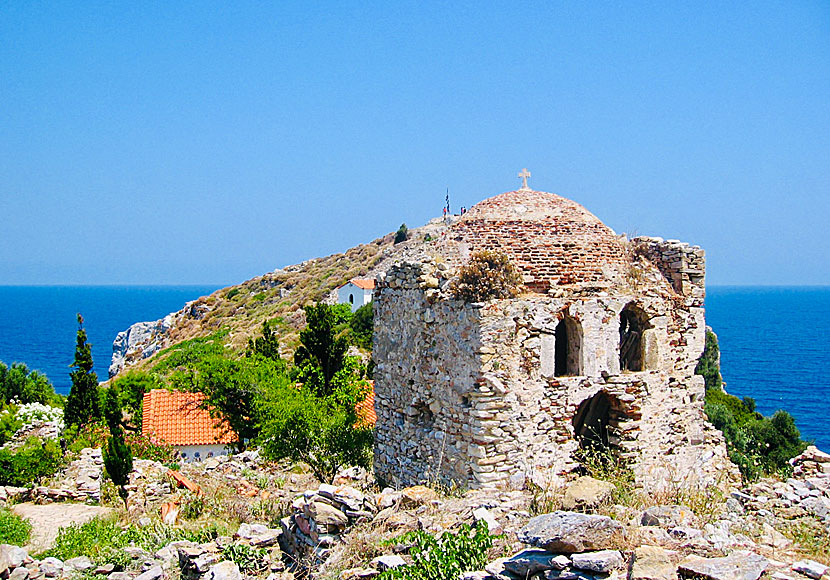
(552, 240)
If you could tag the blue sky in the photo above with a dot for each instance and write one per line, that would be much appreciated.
(206, 143)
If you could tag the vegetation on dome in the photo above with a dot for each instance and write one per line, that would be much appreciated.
(488, 275)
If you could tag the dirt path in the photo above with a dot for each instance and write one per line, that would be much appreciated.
(48, 519)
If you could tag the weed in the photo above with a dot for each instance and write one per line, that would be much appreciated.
(811, 538)
(249, 559)
(13, 528)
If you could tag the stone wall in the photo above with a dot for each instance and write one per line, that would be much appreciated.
(468, 393)
(683, 265)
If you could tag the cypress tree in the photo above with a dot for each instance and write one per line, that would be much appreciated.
(118, 457)
(82, 405)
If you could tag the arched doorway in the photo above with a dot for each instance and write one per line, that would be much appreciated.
(633, 323)
(568, 349)
(592, 421)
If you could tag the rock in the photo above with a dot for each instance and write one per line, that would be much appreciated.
(21, 573)
(358, 574)
(225, 570)
(325, 515)
(119, 576)
(485, 515)
(818, 506)
(810, 568)
(654, 563)
(602, 561)
(153, 573)
(388, 498)
(586, 493)
(569, 532)
(350, 497)
(387, 562)
(530, 562)
(668, 516)
(80, 563)
(496, 569)
(739, 565)
(104, 569)
(11, 557)
(417, 495)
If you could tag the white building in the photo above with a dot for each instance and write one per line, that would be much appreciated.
(356, 292)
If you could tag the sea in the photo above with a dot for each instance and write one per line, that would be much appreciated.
(774, 341)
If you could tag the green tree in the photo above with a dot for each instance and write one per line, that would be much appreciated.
(362, 326)
(322, 349)
(402, 234)
(709, 363)
(267, 345)
(19, 383)
(118, 457)
(82, 405)
(322, 431)
(131, 388)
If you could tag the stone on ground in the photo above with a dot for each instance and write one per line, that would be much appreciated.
(569, 532)
(224, 570)
(529, 562)
(586, 493)
(602, 561)
(739, 565)
(668, 516)
(654, 563)
(417, 495)
(810, 568)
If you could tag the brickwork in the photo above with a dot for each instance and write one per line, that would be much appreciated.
(683, 265)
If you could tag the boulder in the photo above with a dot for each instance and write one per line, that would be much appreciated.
(739, 565)
(11, 557)
(569, 532)
(326, 515)
(80, 563)
(154, 573)
(224, 570)
(810, 568)
(485, 515)
(668, 516)
(21, 573)
(358, 574)
(530, 562)
(654, 563)
(587, 493)
(417, 495)
(602, 561)
(387, 562)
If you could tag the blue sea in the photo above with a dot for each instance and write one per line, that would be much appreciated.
(38, 324)
(775, 341)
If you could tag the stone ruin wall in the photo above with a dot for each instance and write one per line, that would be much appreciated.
(683, 265)
(465, 392)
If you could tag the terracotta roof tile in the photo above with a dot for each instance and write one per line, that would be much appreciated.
(366, 408)
(175, 417)
(363, 283)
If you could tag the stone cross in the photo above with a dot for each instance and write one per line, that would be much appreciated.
(524, 175)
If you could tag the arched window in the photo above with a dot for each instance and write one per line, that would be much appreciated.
(351, 298)
(592, 420)
(568, 350)
(633, 323)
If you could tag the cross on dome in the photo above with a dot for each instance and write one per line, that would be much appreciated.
(524, 174)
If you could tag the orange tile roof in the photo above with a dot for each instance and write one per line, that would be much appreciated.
(175, 417)
(363, 283)
(366, 408)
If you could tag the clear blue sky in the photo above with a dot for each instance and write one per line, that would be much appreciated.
(209, 143)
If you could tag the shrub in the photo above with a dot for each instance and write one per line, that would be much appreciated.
(488, 275)
(709, 366)
(362, 326)
(13, 528)
(20, 384)
(402, 234)
(9, 423)
(445, 557)
(27, 464)
(249, 559)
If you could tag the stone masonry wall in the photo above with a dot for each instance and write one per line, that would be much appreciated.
(465, 392)
(684, 266)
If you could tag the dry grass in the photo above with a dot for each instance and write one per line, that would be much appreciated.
(811, 539)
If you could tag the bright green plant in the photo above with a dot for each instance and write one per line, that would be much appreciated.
(266, 345)
(444, 557)
(118, 458)
(13, 529)
(249, 559)
(362, 326)
(9, 423)
(28, 463)
(23, 386)
(322, 351)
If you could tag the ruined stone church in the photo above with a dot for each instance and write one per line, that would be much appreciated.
(599, 349)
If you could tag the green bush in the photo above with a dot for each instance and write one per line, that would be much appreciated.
(488, 275)
(13, 528)
(445, 557)
(362, 326)
(9, 423)
(758, 445)
(402, 234)
(25, 465)
(24, 386)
